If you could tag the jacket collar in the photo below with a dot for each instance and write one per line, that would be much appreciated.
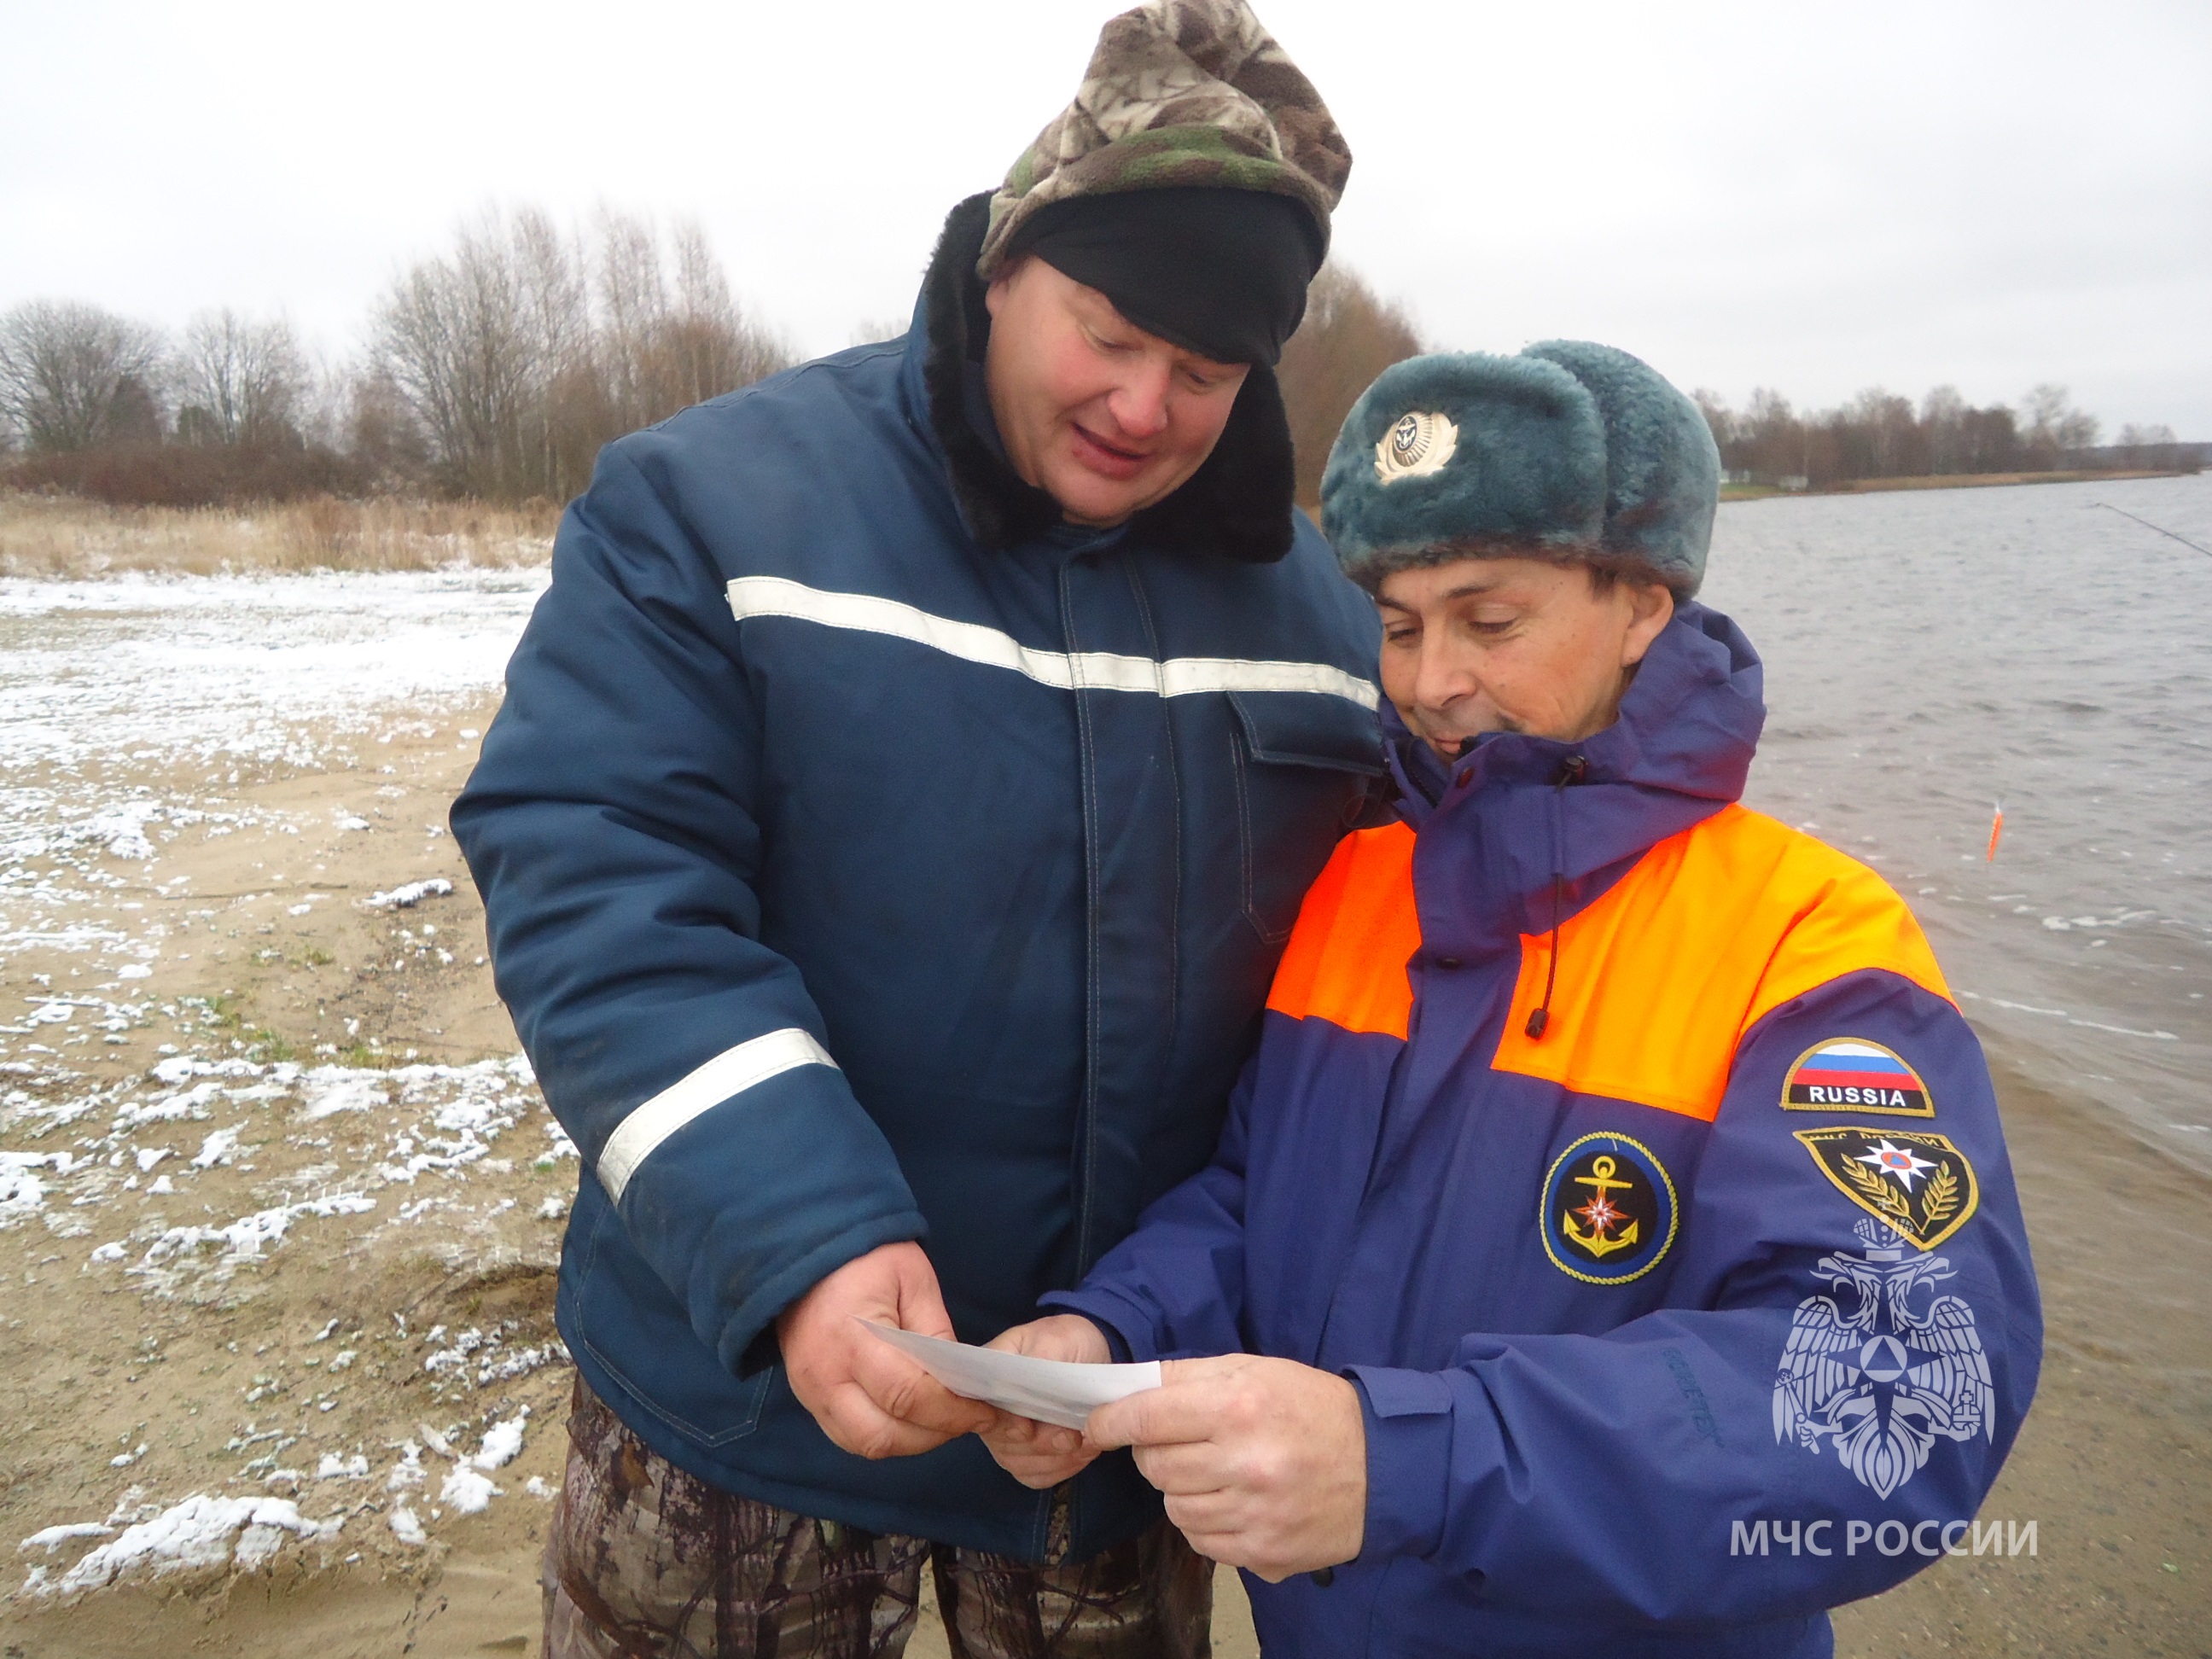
(1497, 825)
(1237, 506)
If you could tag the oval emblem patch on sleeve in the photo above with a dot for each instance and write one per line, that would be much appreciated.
(1850, 1074)
(1610, 1211)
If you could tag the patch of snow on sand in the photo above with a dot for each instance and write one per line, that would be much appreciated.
(502, 1441)
(22, 1193)
(406, 897)
(206, 665)
(434, 1123)
(468, 1489)
(407, 1473)
(244, 1239)
(218, 1147)
(329, 1089)
(278, 670)
(48, 1538)
(121, 830)
(481, 1101)
(196, 1533)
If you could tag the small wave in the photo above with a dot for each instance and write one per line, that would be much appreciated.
(2126, 1030)
(2061, 1013)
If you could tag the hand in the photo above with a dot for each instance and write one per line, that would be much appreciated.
(1263, 1461)
(868, 1397)
(1042, 1455)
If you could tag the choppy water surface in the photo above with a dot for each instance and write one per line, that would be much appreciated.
(1929, 654)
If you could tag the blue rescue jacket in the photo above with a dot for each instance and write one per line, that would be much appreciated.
(869, 857)
(1697, 1307)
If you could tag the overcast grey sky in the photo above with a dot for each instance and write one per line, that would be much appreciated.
(1817, 197)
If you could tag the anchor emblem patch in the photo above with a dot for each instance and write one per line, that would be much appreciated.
(1609, 1210)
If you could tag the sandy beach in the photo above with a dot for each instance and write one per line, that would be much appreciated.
(280, 1208)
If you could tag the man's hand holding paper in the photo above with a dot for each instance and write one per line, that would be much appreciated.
(1046, 1377)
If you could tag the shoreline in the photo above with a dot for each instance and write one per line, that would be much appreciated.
(1946, 481)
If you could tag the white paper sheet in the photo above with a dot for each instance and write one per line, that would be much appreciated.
(1049, 1390)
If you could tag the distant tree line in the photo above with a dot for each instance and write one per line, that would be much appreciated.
(1878, 435)
(496, 370)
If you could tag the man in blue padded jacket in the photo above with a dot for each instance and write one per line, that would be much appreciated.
(901, 799)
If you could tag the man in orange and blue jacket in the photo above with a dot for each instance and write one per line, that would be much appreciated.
(1612, 1247)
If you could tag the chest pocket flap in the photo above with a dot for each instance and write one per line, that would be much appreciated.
(1302, 769)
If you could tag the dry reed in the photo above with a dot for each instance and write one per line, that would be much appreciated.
(65, 537)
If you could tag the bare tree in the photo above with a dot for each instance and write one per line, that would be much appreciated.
(1942, 425)
(239, 381)
(519, 355)
(455, 341)
(1879, 436)
(711, 346)
(2148, 447)
(1720, 419)
(73, 376)
(1349, 337)
(665, 346)
(2053, 426)
(1774, 439)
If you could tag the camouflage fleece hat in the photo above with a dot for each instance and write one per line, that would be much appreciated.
(1179, 93)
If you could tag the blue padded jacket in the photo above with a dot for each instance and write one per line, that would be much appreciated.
(854, 877)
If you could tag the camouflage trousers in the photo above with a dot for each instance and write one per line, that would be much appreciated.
(645, 1561)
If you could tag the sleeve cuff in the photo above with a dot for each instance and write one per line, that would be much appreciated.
(1126, 1340)
(1409, 1419)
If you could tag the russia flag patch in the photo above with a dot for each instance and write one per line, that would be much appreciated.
(1849, 1074)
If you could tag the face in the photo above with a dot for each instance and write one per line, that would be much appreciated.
(1512, 645)
(1105, 417)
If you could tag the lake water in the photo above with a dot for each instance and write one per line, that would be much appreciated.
(1932, 653)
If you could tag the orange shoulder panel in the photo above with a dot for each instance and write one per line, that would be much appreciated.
(1713, 928)
(1347, 959)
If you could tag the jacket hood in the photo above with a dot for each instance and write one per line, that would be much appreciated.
(1237, 506)
(1499, 825)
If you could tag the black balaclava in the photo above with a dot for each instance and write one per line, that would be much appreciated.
(1222, 272)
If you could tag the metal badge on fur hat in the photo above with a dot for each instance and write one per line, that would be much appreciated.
(1571, 450)
(1179, 92)
(1419, 442)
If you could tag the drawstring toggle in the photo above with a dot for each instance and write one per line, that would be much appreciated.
(1539, 1019)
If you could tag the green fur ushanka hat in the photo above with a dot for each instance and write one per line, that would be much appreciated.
(1571, 451)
